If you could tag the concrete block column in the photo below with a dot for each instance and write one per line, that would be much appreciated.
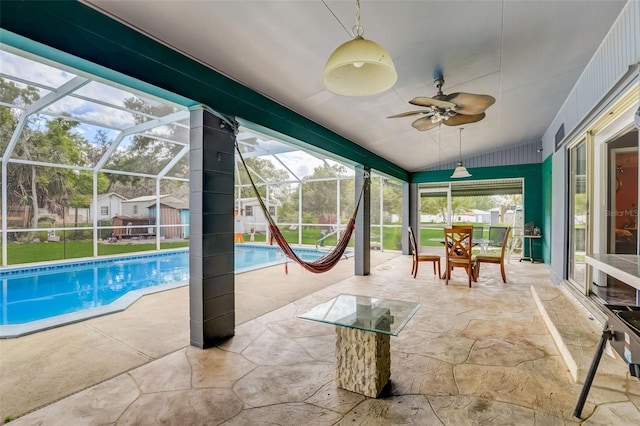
(211, 248)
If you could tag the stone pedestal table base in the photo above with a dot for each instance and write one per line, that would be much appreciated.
(363, 361)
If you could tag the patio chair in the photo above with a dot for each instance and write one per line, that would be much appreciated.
(499, 236)
(478, 232)
(421, 257)
(458, 251)
(477, 238)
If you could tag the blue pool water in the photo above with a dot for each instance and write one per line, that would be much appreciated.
(249, 257)
(44, 296)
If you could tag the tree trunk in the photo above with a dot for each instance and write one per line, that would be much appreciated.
(34, 202)
(75, 232)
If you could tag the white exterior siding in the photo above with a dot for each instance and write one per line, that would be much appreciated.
(619, 50)
(257, 221)
(137, 207)
(113, 204)
(521, 154)
(612, 69)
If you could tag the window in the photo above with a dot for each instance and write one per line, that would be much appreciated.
(104, 210)
(272, 210)
(248, 210)
(135, 209)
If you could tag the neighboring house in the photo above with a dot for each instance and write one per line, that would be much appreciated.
(481, 216)
(173, 211)
(464, 217)
(137, 207)
(254, 218)
(109, 205)
(497, 213)
(431, 218)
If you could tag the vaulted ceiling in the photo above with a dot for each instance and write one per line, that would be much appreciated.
(526, 54)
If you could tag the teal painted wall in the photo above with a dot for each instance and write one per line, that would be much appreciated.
(547, 190)
(95, 43)
(532, 197)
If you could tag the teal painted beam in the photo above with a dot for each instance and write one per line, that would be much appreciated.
(111, 48)
(547, 189)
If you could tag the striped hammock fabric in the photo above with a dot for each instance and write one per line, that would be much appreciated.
(322, 264)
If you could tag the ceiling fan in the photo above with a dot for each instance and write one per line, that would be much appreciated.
(453, 110)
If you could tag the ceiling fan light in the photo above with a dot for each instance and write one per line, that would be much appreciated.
(460, 171)
(359, 67)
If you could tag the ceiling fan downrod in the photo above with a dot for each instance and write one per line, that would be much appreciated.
(438, 83)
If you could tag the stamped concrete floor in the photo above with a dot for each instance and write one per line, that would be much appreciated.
(470, 356)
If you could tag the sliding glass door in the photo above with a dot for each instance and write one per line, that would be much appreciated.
(434, 213)
(578, 211)
(479, 203)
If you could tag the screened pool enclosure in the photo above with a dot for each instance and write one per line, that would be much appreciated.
(91, 168)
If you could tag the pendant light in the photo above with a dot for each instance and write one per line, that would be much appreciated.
(461, 170)
(359, 67)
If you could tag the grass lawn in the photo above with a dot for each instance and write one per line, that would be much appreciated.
(49, 251)
(73, 249)
(311, 237)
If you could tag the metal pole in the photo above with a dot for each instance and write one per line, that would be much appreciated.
(606, 335)
(64, 236)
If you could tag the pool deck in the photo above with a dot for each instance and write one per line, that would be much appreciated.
(469, 356)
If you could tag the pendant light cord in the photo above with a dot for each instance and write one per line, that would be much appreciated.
(357, 29)
(460, 145)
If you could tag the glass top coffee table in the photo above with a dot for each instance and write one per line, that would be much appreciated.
(363, 327)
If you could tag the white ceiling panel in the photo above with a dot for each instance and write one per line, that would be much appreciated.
(526, 54)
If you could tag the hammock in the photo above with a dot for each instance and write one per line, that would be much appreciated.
(317, 266)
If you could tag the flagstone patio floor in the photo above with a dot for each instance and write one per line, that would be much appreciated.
(470, 356)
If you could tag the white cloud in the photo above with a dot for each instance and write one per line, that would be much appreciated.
(37, 72)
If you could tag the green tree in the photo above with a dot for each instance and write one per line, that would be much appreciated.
(48, 186)
(263, 172)
(43, 140)
(11, 93)
(146, 154)
(19, 182)
(434, 205)
(392, 200)
(319, 194)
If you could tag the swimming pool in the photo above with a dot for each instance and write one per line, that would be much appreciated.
(254, 256)
(45, 296)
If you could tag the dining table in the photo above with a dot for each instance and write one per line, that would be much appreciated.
(482, 242)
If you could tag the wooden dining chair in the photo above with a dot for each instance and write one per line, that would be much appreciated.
(499, 236)
(421, 257)
(458, 251)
